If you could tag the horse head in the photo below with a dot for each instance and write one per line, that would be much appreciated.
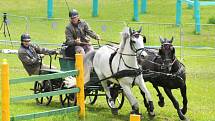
(167, 53)
(135, 40)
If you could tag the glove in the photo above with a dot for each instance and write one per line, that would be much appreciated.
(41, 55)
(98, 38)
(78, 41)
(57, 52)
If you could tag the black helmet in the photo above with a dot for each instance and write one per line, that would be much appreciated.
(73, 13)
(25, 37)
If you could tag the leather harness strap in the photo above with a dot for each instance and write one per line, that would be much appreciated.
(123, 73)
(111, 59)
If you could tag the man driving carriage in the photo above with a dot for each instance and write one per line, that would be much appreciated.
(29, 55)
(78, 35)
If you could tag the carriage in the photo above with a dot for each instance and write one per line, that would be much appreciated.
(92, 89)
(131, 46)
(129, 73)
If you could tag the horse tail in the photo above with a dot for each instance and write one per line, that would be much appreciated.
(88, 65)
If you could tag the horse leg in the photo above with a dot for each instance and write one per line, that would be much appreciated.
(184, 95)
(175, 103)
(114, 110)
(144, 100)
(140, 82)
(161, 98)
(132, 100)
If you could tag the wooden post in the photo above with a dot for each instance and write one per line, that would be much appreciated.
(80, 84)
(189, 6)
(134, 117)
(50, 9)
(178, 12)
(143, 6)
(136, 17)
(5, 91)
(95, 8)
(197, 16)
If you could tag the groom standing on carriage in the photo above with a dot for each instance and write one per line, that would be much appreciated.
(78, 35)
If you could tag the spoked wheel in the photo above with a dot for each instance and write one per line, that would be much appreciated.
(118, 97)
(91, 96)
(41, 88)
(67, 100)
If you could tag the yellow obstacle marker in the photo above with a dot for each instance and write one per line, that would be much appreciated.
(80, 84)
(5, 91)
(134, 117)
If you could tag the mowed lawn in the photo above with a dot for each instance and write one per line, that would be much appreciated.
(200, 91)
(200, 70)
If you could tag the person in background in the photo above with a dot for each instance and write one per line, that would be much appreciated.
(78, 35)
(29, 55)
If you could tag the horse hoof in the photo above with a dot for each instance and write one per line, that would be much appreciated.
(186, 119)
(161, 104)
(184, 111)
(182, 117)
(114, 111)
(135, 112)
(151, 114)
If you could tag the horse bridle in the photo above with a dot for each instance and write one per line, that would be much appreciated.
(133, 72)
(172, 61)
(133, 47)
(162, 65)
(136, 35)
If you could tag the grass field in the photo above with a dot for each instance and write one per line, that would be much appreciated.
(200, 70)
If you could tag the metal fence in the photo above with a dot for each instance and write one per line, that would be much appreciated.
(153, 32)
(107, 29)
(50, 34)
(202, 45)
(12, 26)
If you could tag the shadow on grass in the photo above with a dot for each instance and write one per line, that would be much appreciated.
(105, 113)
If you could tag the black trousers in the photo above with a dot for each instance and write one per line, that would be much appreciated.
(70, 51)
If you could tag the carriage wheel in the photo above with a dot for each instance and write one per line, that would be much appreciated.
(41, 88)
(67, 100)
(118, 99)
(91, 96)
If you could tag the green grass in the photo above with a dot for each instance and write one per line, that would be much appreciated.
(200, 70)
(200, 87)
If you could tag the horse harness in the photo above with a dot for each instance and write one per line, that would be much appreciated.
(162, 66)
(131, 72)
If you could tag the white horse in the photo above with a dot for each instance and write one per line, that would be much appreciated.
(120, 66)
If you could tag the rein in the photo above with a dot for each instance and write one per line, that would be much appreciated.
(134, 50)
(141, 49)
(172, 75)
(131, 71)
(173, 61)
(161, 65)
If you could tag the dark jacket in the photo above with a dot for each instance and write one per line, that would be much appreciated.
(82, 31)
(30, 58)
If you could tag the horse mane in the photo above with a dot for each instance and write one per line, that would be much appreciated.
(125, 35)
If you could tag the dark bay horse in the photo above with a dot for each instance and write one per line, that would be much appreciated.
(163, 69)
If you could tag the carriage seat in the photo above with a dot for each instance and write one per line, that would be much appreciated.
(67, 63)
